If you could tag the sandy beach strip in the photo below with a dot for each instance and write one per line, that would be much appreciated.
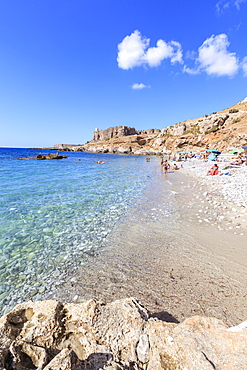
(161, 254)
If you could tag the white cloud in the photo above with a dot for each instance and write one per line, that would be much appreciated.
(154, 56)
(238, 2)
(191, 71)
(214, 58)
(134, 51)
(244, 66)
(139, 86)
(131, 50)
(177, 56)
(223, 5)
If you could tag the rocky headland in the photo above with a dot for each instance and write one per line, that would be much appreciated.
(120, 335)
(220, 130)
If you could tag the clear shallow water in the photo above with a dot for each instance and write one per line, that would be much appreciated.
(54, 214)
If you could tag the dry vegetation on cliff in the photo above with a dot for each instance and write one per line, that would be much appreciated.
(221, 130)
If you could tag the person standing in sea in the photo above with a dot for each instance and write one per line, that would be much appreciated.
(166, 166)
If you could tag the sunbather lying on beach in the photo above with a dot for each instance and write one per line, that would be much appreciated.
(214, 170)
(239, 161)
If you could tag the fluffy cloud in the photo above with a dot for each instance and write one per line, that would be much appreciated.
(134, 51)
(212, 57)
(154, 56)
(131, 50)
(139, 86)
(215, 59)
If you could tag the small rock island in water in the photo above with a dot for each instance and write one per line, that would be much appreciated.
(50, 156)
(43, 156)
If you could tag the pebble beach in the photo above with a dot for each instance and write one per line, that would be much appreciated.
(224, 196)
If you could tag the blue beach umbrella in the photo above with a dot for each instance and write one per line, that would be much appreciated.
(215, 151)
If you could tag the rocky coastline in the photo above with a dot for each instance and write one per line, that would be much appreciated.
(220, 130)
(120, 335)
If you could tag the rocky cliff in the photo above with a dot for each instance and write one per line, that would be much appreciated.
(120, 335)
(119, 131)
(113, 132)
(221, 130)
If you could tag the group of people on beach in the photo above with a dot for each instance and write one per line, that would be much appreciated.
(240, 160)
(166, 165)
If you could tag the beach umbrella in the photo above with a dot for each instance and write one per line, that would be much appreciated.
(215, 151)
(237, 151)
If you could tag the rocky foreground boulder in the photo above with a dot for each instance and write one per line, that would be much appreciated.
(120, 335)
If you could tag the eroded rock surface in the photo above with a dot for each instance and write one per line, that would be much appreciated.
(220, 130)
(50, 335)
(50, 156)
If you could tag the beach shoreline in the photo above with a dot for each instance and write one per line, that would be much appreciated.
(178, 247)
(163, 256)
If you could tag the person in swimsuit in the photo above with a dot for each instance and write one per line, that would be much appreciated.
(166, 166)
(213, 170)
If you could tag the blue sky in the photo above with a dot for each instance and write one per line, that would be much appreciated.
(69, 66)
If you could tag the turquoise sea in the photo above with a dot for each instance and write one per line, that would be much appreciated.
(55, 214)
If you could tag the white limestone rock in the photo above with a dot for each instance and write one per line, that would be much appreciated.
(120, 335)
